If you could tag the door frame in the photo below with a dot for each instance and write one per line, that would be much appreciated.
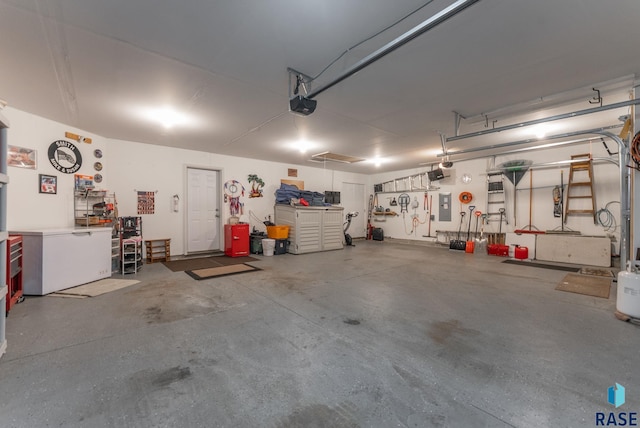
(185, 207)
(362, 212)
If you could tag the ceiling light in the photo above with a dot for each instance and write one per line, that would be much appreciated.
(541, 130)
(166, 116)
(303, 145)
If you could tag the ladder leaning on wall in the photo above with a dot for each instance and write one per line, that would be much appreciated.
(584, 170)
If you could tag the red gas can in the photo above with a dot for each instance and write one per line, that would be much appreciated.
(522, 253)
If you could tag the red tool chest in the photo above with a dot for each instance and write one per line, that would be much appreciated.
(14, 270)
(236, 240)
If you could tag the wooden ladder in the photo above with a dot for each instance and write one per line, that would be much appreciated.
(573, 187)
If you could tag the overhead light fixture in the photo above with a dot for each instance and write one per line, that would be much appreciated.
(166, 116)
(302, 145)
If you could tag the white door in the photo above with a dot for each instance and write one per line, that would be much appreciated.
(203, 210)
(352, 199)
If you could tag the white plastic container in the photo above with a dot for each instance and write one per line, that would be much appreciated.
(268, 246)
(628, 300)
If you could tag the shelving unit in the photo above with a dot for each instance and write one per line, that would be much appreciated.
(158, 250)
(131, 255)
(93, 208)
(130, 229)
(115, 253)
(14, 271)
(4, 180)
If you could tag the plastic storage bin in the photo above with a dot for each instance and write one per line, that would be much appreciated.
(282, 245)
(278, 232)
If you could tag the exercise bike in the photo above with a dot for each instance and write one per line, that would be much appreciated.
(347, 238)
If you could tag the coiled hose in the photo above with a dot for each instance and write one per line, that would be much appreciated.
(606, 218)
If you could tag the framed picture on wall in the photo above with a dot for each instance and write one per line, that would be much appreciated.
(48, 184)
(21, 157)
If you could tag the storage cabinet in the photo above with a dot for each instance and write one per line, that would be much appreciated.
(311, 229)
(236, 240)
(14, 271)
(4, 180)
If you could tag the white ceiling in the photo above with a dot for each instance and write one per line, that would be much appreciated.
(93, 64)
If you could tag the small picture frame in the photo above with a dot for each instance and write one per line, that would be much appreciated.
(48, 184)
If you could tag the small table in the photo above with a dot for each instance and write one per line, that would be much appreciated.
(158, 250)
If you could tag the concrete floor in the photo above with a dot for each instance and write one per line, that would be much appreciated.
(382, 334)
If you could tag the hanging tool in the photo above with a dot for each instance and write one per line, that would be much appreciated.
(457, 244)
(477, 214)
(369, 214)
(404, 200)
(501, 211)
(469, 242)
(471, 208)
(481, 243)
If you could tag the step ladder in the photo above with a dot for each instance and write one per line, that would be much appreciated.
(496, 197)
(581, 190)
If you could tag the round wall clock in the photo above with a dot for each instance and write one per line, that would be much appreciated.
(97, 153)
(97, 166)
(97, 178)
(64, 156)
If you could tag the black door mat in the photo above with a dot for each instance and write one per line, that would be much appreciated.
(542, 265)
(206, 262)
(215, 272)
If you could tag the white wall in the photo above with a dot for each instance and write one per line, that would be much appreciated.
(130, 167)
(27, 208)
(606, 179)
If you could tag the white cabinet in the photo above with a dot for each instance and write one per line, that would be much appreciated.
(311, 229)
(56, 259)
